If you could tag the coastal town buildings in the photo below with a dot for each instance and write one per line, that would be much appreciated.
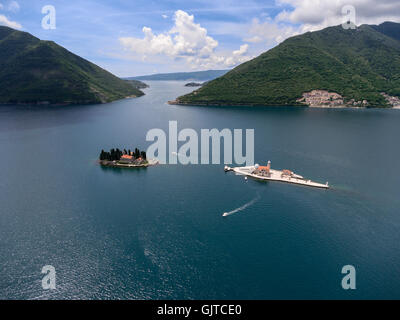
(324, 98)
(391, 100)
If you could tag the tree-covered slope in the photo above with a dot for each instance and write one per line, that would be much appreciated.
(358, 64)
(391, 29)
(35, 71)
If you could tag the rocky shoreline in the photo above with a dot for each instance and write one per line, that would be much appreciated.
(116, 164)
(63, 103)
(227, 104)
(312, 99)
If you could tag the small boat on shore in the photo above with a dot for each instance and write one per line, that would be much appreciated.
(267, 174)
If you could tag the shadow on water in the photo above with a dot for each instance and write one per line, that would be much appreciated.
(121, 171)
(28, 117)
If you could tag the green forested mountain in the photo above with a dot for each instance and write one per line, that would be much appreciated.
(356, 63)
(391, 29)
(35, 71)
(137, 84)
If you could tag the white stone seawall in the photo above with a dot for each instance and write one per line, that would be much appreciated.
(324, 106)
(277, 175)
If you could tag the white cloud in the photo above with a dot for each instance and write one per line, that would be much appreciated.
(237, 55)
(164, 16)
(271, 32)
(312, 15)
(186, 40)
(12, 24)
(317, 14)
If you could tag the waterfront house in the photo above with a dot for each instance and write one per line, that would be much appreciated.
(263, 170)
(126, 159)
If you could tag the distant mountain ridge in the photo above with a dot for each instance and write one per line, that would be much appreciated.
(184, 76)
(358, 64)
(390, 29)
(42, 72)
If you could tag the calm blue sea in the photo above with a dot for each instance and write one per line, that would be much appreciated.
(158, 233)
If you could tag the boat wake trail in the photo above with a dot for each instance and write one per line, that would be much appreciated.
(245, 206)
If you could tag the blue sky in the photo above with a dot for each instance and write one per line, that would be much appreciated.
(181, 35)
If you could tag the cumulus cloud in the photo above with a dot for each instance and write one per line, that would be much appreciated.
(190, 42)
(186, 40)
(269, 31)
(300, 16)
(12, 24)
(317, 14)
(4, 21)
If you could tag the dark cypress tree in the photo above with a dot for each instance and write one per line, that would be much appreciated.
(116, 154)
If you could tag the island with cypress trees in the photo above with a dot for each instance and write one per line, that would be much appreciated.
(123, 158)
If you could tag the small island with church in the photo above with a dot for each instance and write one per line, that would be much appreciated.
(124, 158)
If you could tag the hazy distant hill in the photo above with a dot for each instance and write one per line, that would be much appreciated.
(137, 84)
(35, 71)
(390, 29)
(357, 64)
(184, 76)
